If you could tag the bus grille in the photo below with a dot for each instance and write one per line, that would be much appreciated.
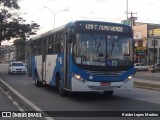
(100, 88)
(101, 73)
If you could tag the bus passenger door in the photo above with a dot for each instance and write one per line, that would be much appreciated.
(44, 60)
(67, 49)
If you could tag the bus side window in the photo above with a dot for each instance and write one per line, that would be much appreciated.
(58, 43)
(51, 45)
(62, 44)
(34, 48)
(50, 49)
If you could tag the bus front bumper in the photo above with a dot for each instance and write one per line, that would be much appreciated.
(88, 86)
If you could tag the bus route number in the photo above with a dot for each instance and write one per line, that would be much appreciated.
(90, 26)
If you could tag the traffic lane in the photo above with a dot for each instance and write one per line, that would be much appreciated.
(25, 85)
(94, 118)
(49, 100)
(90, 118)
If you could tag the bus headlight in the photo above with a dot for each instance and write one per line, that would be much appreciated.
(78, 77)
(130, 77)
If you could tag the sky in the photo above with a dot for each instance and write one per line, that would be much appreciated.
(100, 10)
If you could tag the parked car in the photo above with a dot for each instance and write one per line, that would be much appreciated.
(140, 66)
(16, 67)
(154, 68)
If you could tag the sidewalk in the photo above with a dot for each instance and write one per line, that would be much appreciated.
(6, 105)
(152, 82)
(147, 84)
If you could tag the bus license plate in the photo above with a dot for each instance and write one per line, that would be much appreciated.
(105, 84)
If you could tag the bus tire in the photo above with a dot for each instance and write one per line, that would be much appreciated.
(37, 82)
(108, 93)
(157, 71)
(61, 91)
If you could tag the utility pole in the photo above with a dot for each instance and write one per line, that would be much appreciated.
(132, 18)
(154, 55)
(127, 10)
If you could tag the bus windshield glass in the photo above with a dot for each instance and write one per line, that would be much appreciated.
(103, 50)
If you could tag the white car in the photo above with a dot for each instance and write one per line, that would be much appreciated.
(154, 68)
(16, 67)
(140, 66)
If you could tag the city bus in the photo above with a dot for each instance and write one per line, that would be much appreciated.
(83, 56)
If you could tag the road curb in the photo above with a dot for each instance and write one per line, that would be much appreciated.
(149, 86)
(22, 99)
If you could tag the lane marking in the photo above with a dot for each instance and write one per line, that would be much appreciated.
(12, 100)
(33, 106)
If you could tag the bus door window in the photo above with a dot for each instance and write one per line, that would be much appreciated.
(39, 47)
(44, 50)
(62, 43)
(54, 43)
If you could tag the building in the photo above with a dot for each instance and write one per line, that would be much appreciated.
(154, 45)
(11, 53)
(147, 42)
(140, 32)
(2, 53)
(7, 53)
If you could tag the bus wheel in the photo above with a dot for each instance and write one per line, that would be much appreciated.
(59, 86)
(37, 82)
(108, 93)
(157, 71)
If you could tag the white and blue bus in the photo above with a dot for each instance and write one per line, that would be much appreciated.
(83, 56)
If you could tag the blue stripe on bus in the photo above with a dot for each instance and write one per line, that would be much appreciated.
(103, 78)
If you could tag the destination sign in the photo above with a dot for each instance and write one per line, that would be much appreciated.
(103, 27)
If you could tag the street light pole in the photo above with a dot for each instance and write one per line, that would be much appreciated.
(154, 55)
(54, 14)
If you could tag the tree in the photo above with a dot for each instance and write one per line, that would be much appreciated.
(20, 45)
(11, 24)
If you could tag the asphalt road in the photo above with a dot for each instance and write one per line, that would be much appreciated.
(48, 99)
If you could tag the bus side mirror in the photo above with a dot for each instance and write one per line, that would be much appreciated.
(69, 37)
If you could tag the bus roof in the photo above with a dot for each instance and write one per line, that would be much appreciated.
(48, 32)
(69, 24)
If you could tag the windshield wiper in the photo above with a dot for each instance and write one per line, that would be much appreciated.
(112, 49)
(98, 46)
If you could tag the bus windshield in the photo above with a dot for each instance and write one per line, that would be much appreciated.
(103, 50)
